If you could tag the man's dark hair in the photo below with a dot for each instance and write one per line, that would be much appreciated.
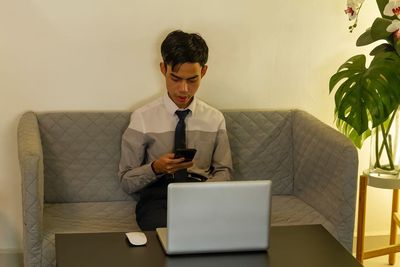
(180, 47)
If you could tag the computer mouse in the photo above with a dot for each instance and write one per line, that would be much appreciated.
(136, 238)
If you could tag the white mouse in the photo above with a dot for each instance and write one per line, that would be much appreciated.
(137, 238)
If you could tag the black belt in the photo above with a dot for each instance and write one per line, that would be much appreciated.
(191, 177)
(166, 179)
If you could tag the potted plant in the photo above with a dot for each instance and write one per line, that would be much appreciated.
(367, 98)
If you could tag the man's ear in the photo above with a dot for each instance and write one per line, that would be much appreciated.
(204, 70)
(163, 68)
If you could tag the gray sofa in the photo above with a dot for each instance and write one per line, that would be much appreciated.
(69, 165)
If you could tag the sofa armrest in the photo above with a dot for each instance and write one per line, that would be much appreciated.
(31, 165)
(325, 166)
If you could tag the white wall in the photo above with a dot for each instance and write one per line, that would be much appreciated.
(104, 54)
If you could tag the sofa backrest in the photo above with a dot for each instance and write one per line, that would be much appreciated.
(262, 147)
(81, 152)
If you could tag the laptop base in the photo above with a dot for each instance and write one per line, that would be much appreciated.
(162, 236)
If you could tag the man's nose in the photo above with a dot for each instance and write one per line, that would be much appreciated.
(183, 86)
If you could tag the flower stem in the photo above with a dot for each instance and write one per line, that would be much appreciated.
(387, 148)
(389, 126)
(386, 144)
(378, 152)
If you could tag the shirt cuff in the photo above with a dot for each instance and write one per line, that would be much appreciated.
(152, 168)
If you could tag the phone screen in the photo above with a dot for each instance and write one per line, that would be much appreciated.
(187, 153)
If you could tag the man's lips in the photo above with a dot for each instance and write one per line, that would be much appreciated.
(182, 98)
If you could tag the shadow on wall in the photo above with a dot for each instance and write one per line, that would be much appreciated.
(8, 231)
(10, 187)
(9, 257)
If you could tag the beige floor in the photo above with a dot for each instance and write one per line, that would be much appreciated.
(381, 262)
(372, 242)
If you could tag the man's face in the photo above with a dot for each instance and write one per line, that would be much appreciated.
(183, 81)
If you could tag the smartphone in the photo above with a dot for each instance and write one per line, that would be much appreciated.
(187, 153)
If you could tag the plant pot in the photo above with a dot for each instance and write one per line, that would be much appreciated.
(385, 157)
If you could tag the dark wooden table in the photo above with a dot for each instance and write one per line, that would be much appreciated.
(305, 245)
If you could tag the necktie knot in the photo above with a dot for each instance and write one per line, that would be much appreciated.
(182, 114)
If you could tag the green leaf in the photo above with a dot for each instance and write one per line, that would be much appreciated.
(349, 131)
(397, 47)
(378, 29)
(365, 95)
(381, 49)
(365, 38)
(353, 65)
(381, 6)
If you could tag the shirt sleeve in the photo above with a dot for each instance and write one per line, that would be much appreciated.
(222, 159)
(133, 173)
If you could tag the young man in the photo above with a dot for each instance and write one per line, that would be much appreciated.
(176, 120)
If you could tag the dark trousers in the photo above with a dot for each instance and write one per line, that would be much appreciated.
(151, 209)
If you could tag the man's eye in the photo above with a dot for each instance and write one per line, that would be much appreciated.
(192, 81)
(174, 79)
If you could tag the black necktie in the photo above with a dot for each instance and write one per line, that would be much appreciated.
(180, 138)
(180, 130)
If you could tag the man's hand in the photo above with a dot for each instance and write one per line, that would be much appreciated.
(167, 164)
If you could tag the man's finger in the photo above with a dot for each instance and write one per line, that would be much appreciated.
(177, 161)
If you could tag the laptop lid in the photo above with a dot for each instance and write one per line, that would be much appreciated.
(218, 217)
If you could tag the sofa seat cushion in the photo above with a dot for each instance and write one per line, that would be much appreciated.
(290, 210)
(86, 217)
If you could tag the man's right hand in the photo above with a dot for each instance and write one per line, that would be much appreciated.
(168, 164)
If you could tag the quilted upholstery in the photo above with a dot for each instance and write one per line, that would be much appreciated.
(69, 167)
(31, 163)
(325, 177)
(261, 144)
(90, 217)
(81, 155)
(290, 210)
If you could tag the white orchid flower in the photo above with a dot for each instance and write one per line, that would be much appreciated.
(353, 6)
(395, 28)
(392, 8)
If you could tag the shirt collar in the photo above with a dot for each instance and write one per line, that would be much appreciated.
(172, 107)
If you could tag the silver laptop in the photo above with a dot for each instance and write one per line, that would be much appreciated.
(217, 217)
